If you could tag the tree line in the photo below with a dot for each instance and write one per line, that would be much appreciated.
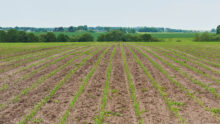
(85, 28)
(114, 35)
(22, 36)
(208, 37)
(117, 35)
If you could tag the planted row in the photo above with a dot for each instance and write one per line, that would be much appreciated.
(215, 111)
(81, 89)
(53, 91)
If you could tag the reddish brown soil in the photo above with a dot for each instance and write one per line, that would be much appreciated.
(14, 89)
(15, 111)
(27, 61)
(118, 100)
(150, 100)
(87, 106)
(205, 71)
(30, 52)
(119, 103)
(15, 75)
(206, 62)
(192, 112)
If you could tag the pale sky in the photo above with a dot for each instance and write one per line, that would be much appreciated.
(180, 14)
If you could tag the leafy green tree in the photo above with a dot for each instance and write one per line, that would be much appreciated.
(82, 28)
(74, 38)
(32, 38)
(145, 37)
(86, 37)
(218, 30)
(21, 36)
(12, 35)
(101, 37)
(3, 36)
(59, 29)
(130, 37)
(72, 29)
(62, 38)
(114, 35)
(50, 37)
(107, 29)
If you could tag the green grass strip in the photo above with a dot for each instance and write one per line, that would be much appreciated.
(42, 79)
(53, 91)
(188, 66)
(81, 88)
(169, 103)
(215, 111)
(100, 117)
(206, 87)
(132, 88)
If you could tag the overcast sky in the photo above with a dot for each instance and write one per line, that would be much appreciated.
(183, 14)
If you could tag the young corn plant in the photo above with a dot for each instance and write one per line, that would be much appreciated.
(195, 81)
(172, 79)
(131, 87)
(100, 117)
(42, 79)
(188, 66)
(32, 113)
(167, 100)
(81, 89)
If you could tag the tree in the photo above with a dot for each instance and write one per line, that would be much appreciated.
(62, 38)
(74, 38)
(32, 38)
(59, 29)
(129, 37)
(114, 35)
(107, 29)
(72, 29)
(12, 35)
(3, 36)
(218, 30)
(42, 38)
(21, 36)
(101, 37)
(86, 37)
(145, 37)
(50, 37)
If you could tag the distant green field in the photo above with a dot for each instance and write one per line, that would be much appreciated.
(173, 35)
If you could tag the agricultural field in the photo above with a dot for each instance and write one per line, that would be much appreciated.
(115, 83)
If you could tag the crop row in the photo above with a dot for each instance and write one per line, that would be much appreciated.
(30, 59)
(195, 58)
(188, 59)
(132, 88)
(45, 77)
(170, 103)
(100, 117)
(57, 86)
(27, 75)
(215, 111)
(177, 69)
(81, 88)
(182, 63)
